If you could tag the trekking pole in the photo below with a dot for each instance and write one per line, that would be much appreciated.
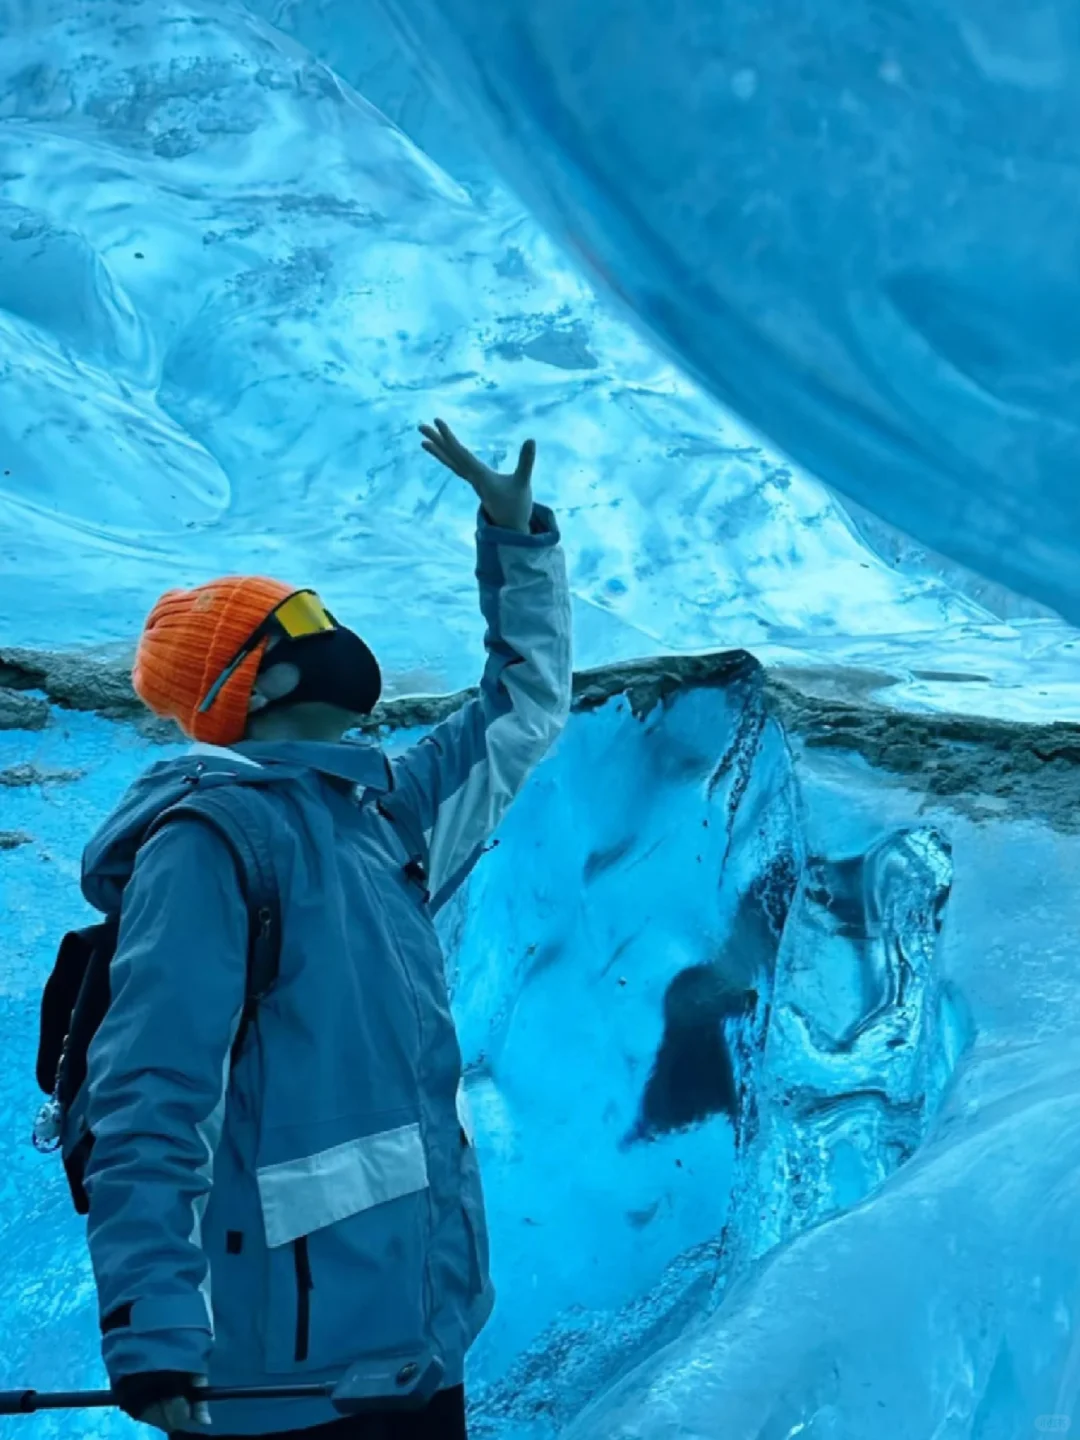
(394, 1386)
(30, 1402)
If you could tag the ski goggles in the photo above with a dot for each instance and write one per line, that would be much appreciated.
(300, 615)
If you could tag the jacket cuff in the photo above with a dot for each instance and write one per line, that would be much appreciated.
(545, 531)
(173, 1333)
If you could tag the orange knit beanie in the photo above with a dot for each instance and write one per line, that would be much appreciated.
(189, 638)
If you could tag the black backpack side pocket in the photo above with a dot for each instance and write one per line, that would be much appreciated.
(73, 1005)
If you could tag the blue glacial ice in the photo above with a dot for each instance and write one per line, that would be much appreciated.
(768, 1005)
(856, 223)
(231, 288)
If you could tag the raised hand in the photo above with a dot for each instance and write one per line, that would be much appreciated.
(507, 499)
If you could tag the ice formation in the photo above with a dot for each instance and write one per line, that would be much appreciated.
(856, 222)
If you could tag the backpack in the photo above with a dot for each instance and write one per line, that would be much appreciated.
(77, 995)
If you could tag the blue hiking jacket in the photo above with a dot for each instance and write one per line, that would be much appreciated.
(316, 1206)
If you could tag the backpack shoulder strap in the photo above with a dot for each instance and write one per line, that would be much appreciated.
(240, 815)
(408, 827)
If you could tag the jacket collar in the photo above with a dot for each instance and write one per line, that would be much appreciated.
(362, 764)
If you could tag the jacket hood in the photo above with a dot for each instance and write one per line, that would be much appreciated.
(109, 858)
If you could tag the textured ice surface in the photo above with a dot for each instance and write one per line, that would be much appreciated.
(947, 1304)
(229, 289)
(857, 222)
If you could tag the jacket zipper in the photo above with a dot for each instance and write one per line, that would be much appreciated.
(304, 1286)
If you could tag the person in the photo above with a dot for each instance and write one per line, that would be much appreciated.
(312, 1206)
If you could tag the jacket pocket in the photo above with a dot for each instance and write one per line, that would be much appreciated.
(304, 1286)
(347, 1236)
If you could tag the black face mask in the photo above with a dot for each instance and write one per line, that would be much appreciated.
(336, 668)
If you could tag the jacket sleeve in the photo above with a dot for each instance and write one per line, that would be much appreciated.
(157, 1077)
(459, 781)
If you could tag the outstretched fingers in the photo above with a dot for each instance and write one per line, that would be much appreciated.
(440, 441)
(434, 448)
(441, 435)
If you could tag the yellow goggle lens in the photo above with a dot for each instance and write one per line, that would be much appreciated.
(303, 614)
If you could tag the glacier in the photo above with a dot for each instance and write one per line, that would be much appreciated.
(856, 223)
(768, 990)
(195, 194)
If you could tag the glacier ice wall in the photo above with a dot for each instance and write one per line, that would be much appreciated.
(229, 289)
(946, 1302)
(857, 223)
